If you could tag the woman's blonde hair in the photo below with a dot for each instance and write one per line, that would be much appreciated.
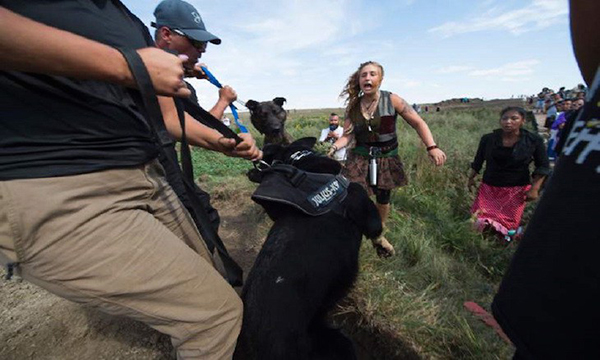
(352, 90)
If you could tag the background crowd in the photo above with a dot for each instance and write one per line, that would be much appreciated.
(558, 106)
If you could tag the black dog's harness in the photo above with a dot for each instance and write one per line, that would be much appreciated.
(313, 194)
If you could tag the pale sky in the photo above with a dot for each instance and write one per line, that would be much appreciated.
(431, 50)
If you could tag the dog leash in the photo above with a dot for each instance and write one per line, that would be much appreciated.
(213, 80)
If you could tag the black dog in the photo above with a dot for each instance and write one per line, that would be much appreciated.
(309, 260)
(268, 117)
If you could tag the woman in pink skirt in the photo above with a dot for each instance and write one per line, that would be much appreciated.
(507, 183)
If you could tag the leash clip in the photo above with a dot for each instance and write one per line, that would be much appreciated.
(261, 165)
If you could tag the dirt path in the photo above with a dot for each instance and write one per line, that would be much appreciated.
(35, 324)
(38, 325)
(541, 119)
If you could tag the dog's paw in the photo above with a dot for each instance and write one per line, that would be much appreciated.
(383, 247)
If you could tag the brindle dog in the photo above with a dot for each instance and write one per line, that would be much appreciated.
(268, 117)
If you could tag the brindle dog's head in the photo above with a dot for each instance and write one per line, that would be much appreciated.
(268, 117)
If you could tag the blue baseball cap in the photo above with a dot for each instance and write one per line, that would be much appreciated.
(180, 15)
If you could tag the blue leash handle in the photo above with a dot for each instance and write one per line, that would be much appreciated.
(213, 80)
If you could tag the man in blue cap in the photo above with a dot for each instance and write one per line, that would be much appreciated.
(180, 29)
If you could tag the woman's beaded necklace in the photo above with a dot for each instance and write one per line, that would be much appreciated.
(369, 111)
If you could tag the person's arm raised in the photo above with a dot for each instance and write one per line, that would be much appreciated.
(226, 96)
(437, 156)
(31, 46)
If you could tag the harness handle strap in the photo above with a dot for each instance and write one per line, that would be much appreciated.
(186, 155)
(295, 175)
(209, 120)
(234, 273)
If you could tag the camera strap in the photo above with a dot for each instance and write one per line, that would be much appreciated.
(234, 273)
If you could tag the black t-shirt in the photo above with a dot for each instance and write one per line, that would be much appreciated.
(549, 300)
(510, 166)
(53, 126)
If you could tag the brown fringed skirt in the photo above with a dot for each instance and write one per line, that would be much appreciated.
(390, 171)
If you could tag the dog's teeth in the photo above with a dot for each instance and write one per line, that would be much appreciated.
(279, 280)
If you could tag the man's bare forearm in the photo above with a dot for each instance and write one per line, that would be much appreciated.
(197, 134)
(34, 47)
(31, 46)
(219, 109)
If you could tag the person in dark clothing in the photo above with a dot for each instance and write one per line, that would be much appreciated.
(85, 210)
(547, 302)
(506, 183)
(180, 29)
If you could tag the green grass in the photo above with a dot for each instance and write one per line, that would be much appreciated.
(441, 261)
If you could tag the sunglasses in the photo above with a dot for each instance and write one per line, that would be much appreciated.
(200, 45)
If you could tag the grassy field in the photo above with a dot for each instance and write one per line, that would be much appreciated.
(416, 298)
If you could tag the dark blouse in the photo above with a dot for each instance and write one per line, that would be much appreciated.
(509, 166)
(383, 124)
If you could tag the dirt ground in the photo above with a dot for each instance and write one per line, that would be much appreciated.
(35, 324)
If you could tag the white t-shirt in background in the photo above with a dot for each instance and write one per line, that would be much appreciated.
(339, 155)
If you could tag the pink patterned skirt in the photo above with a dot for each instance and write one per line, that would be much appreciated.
(499, 207)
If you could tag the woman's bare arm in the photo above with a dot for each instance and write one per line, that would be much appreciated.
(416, 122)
(343, 140)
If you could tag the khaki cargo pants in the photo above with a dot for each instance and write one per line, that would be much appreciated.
(120, 241)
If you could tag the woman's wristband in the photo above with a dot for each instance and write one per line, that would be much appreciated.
(334, 148)
(429, 148)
